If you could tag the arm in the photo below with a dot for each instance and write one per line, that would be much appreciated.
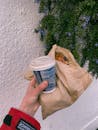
(18, 120)
(21, 119)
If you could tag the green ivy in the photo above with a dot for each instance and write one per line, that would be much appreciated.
(74, 25)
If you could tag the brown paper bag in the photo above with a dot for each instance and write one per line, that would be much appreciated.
(72, 80)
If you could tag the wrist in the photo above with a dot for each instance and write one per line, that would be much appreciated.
(15, 118)
(26, 110)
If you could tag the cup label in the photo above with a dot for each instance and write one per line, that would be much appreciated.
(48, 75)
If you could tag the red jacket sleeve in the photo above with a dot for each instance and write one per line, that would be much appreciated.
(18, 120)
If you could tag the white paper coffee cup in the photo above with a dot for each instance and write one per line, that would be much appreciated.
(44, 69)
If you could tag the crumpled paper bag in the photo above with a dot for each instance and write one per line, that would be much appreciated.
(72, 80)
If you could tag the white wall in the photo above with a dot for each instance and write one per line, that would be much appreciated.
(18, 44)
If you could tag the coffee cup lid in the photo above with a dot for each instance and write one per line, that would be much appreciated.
(42, 63)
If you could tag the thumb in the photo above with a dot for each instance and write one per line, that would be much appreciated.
(41, 87)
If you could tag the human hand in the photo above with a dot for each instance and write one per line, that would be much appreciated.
(30, 102)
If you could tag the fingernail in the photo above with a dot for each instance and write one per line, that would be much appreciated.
(45, 82)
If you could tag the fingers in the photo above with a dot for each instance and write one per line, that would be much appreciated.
(41, 87)
(32, 82)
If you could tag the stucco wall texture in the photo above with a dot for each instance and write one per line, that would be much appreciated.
(18, 45)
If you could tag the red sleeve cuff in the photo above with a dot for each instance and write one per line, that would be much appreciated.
(18, 115)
